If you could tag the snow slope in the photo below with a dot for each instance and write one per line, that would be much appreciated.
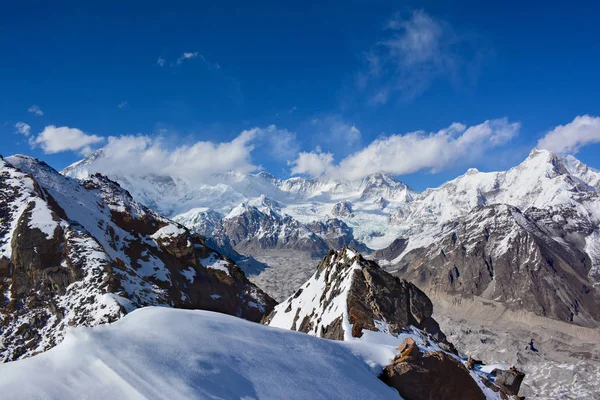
(160, 353)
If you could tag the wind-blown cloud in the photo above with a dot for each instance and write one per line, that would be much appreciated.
(413, 53)
(23, 128)
(145, 155)
(122, 105)
(570, 138)
(35, 109)
(312, 163)
(55, 139)
(194, 162)
(411, 152)
(333, 132)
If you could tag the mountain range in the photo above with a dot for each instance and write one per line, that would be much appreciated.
(485, 262)
(515, 253)
(552, 200)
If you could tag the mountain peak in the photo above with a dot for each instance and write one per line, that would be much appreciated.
(332, 303)
(535, 152)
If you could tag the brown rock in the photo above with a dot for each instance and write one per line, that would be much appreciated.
(430, 376)
(408, 350)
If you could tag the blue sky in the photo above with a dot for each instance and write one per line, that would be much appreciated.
(323, 80)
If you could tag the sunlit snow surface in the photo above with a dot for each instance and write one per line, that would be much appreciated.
(160, 353)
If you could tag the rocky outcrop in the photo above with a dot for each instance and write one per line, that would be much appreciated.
(85, 253)
(419, 375)
(252, 230)
(349, 295)
(392, 251)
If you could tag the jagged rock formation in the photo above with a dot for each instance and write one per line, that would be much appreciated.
(86, 253)
(348, 295)
(254, 229)
(249, 230)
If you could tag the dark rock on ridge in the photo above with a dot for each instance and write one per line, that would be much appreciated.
(432, 375)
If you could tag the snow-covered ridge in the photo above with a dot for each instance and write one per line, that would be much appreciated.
(154, 353)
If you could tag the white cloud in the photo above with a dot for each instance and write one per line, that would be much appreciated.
(58, 139)
(35, 109)
(23, 128)
(570, 138)
(161, 62)
(411, 152)
(188, 56)
(312, 163)
(123, 105)
(414, 52)
(145, 155)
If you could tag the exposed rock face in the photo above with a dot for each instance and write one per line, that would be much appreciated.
(348, 295)
(85, 253)
(528, 261)
(431, 375)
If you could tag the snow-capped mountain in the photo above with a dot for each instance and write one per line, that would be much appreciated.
(516, 251)
(86, 253)
(253, 214)
(305, 200)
